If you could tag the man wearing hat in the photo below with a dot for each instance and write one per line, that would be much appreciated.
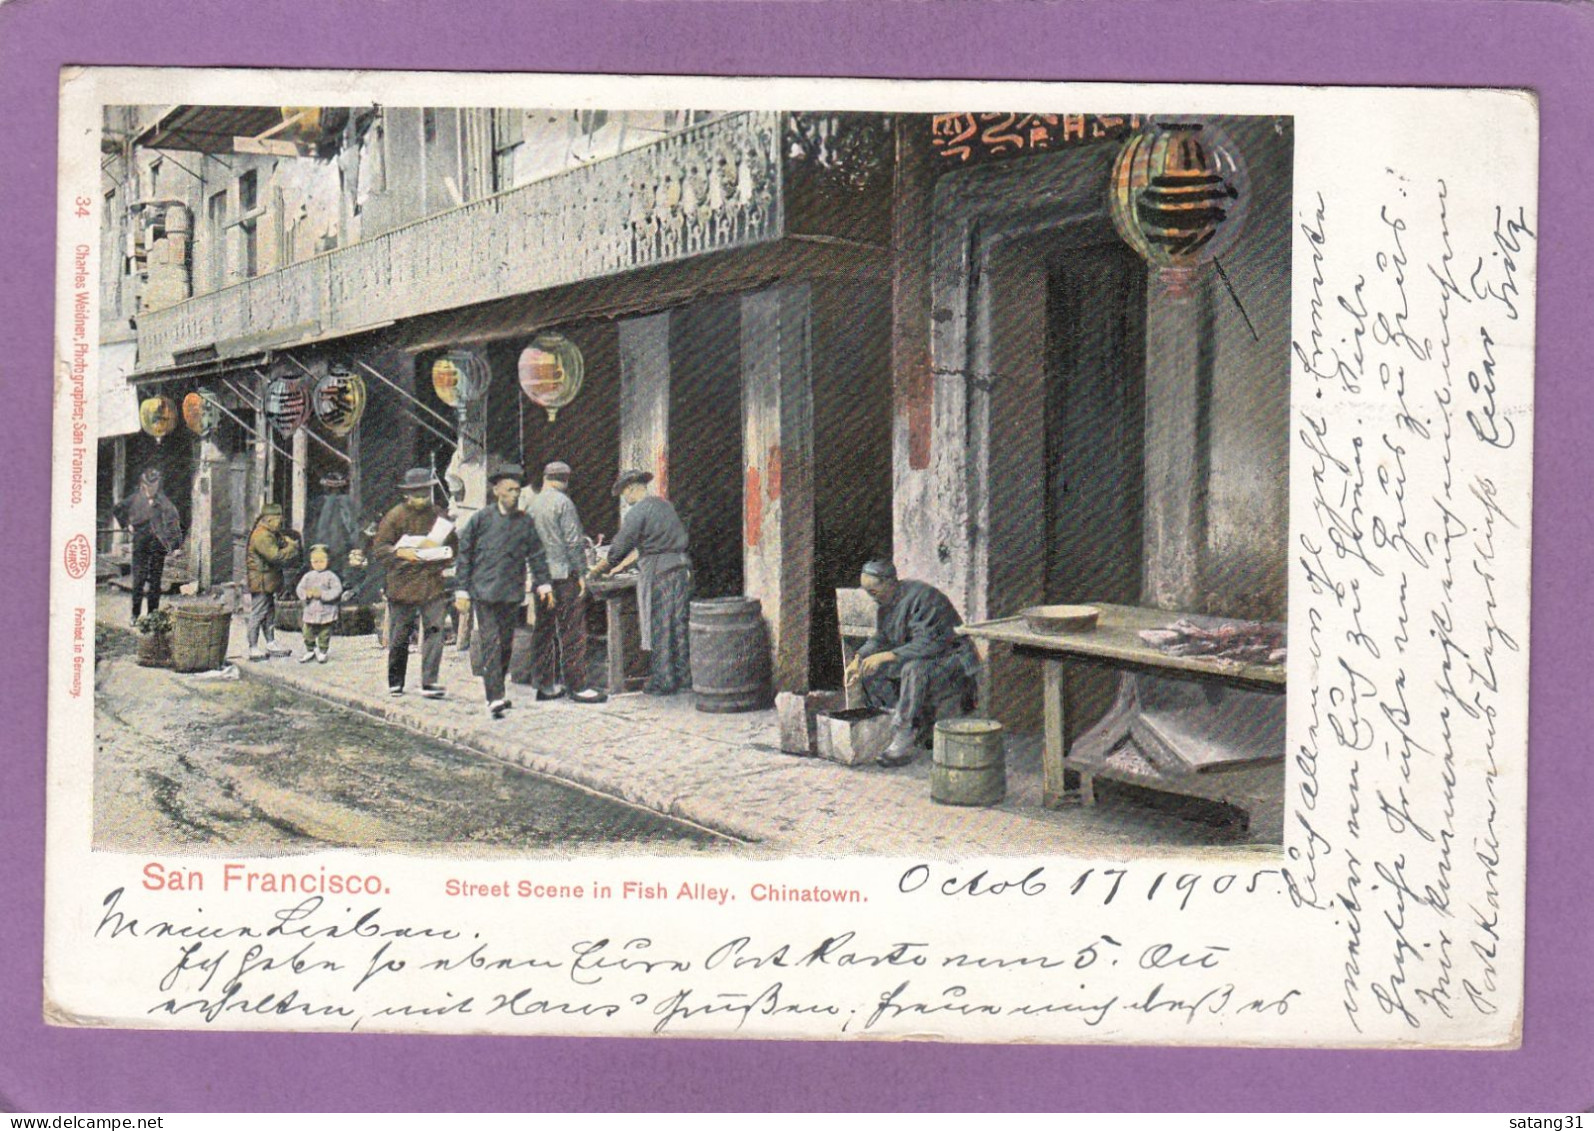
(415, 590)
(269, 550)
(498, 547)
(157, 531)
(562, 635)
(651, 535)
(915, 665)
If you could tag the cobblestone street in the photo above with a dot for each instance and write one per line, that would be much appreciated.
(276, 754)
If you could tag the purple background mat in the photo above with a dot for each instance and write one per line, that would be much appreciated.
(1546, 46)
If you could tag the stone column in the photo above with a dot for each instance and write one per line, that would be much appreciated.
(645, 396)
(301, 479)
(777, 454)
(1178, 410)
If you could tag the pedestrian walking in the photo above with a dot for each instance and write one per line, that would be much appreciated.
(559, 637)
(416, 597)
(498, 548)
(269, 551)
(321, 590)
(156, 530)
(651, 535)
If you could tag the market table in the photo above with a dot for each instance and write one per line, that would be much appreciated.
(623, 644)
(1115, 643)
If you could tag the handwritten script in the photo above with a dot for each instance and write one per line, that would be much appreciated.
(1412, 514)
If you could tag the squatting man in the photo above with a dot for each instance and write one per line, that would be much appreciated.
(915, 665)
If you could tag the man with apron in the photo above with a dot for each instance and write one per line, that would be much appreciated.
(651, 535)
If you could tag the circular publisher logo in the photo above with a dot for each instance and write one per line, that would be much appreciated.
(77, 556)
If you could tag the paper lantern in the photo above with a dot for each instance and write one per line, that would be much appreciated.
(287, 405)
(157, 416)
(551, 369)
(1179, 194)
(459, 377)
(339, 400)
(201, 412)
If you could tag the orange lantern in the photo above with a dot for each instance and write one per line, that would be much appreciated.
(157, 416)
(1179, 195)
(459, 377)
(551, 369)
(201, 412)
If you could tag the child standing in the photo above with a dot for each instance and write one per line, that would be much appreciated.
(321, 591)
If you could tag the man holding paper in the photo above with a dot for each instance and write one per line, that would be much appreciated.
(416, 541)
(498, 546)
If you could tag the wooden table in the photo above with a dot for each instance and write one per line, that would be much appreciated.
(1113, 642)
(627, 669)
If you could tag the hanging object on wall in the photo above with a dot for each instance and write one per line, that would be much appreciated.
(339, 400)
(551, 369)
(459, 377)
(287, 405)
(157, 416)
(1179, 195)
(201, 412)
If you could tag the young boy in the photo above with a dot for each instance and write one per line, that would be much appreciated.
(320, 590)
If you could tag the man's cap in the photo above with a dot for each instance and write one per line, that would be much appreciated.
(270, 509)
(508, 471)
(334, 480)
(882, 568)
(151, 475)
(629, 476)
(558, 469)
(417, 480)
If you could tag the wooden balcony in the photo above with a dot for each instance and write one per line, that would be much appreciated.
(712, 188)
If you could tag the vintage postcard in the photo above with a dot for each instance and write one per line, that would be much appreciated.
(791, 559)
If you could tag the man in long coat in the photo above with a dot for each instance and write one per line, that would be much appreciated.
(651, 535)
(157, 531)
(915, 665)
(498, 547)
(560, 637)
(415, 591)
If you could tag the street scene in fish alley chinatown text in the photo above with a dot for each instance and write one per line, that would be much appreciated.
(517, 481)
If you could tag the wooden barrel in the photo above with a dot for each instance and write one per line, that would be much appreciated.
(199, 636)
(968, 767)
(730, 655)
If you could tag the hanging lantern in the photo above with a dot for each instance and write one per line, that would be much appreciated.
(1179, 195)
(157, 416)
(551, 369)
(201, 412)
(459, 377)
(287, 405)
(339, 400)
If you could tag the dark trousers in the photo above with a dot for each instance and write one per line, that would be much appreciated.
(917, 692)
(401, 621)
(559, 638)
(496, 622)
(149, 562)
(671, 667)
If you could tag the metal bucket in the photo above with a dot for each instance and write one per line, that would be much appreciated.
(199, 636)
(968, 766)
(730, 655)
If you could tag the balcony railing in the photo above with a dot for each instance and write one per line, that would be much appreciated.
(714, 187)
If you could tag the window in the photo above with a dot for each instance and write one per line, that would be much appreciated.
(248, 199)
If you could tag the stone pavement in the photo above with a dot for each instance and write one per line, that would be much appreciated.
(725, 773)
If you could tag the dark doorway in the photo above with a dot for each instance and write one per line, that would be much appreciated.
(705, 465)
(1095, 424)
